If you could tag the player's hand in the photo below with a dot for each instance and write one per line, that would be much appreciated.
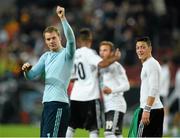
(117, 54)
(60, 12)
(26, 67)
(106, 90)
(145, 118)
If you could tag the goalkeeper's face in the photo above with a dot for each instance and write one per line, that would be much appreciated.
(52, 41)
(143, 50)
(105, 51)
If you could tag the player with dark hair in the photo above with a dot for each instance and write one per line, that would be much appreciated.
(151, 113)
(85, 95)
(164, 90)
(57, 65)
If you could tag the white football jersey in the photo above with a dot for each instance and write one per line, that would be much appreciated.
(175, 93)
(86, 88)
(165, 81)
(150, 83)
(114, 77)
(177, 84)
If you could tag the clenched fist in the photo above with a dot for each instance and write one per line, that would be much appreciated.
(117, 54)
(60, 12)
(26, 67)
(107, 90)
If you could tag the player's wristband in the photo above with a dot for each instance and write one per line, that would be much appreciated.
(147, 108)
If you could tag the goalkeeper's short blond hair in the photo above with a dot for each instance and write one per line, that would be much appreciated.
(109, 43)
(51, 29)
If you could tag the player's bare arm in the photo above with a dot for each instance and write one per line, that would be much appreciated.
(106, 62)
(26, 67)
(146, 114)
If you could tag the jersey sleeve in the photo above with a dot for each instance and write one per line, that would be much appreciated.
(165, 82)
(177, 81)
(69, 34)
(123, 85)
(36, 69)
(73, 73)
(154, 79)
(92, 57)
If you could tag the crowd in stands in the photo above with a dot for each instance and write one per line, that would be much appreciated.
(119, 21)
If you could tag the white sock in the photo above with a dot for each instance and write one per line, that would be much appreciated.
(109, 134)
(94, 134)
(70, 132)
(119, 136)
(165, 124)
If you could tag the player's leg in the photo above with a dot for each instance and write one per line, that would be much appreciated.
(78, 113)
(111, 121)
(155, 127)
(118, 130)
(92, 122)
(55, 119)
(42, 123)
(70, 132)
(94, 134)
(166, 116)
(76, 117)
(158, 119)
(46, 121)
(63, 122)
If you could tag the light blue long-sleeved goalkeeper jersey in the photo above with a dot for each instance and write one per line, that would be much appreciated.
(57, 67)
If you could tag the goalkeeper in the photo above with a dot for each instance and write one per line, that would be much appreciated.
(57, 65)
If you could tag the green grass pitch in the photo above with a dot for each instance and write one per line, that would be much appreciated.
(33, 131)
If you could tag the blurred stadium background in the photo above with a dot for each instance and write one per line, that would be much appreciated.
(119, 21)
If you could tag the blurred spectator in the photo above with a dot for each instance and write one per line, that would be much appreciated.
(164, 90)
